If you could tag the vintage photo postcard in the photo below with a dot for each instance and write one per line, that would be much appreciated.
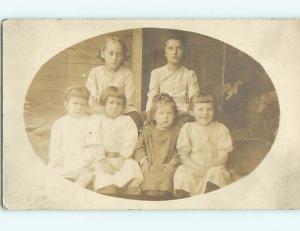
(151, 114)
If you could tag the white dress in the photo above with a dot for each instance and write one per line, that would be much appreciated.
(201, 144)
(73, 144)
(181, 85)
(98, 81)
(118, 135)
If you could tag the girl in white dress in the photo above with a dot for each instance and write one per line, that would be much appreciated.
(74, 139)
(117, 172)
(173, 78)
(203, 147)
(113, 73)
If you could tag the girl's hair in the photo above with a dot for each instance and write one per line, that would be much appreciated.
(202, 97)
(112, 91)
(176, 35)
(76, 91)
(162, 99)
(114, 39)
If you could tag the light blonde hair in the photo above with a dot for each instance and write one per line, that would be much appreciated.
(118, 40)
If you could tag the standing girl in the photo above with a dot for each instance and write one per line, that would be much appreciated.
(116, 172)
(173, 78)
(156, 149)
(112, 73)
(203, 147)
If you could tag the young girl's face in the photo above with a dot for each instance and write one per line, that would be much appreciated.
(113, 55)
(164, 116)
(173, 51)
(76, 107)
(203, 113)
(113, 107)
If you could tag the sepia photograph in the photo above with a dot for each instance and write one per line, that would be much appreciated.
(144, 114)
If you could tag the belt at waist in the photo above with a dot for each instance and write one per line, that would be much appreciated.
(112, 154)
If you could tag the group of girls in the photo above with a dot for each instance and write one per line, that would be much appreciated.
(181, 152)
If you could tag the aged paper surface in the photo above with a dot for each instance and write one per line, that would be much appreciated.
(31, 46)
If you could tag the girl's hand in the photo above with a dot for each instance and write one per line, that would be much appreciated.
(145, 166)
(56, 164)
(168, 168)
(97, 98)
(90, 164)
(120, 163)
(107, 167)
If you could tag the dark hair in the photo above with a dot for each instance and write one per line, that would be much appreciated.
(76, 91)
(114, 39)
(112, 91)
(176, 36)
(164, 99)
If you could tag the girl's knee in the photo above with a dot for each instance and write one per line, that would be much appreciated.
(217, 170)
(179, 194)
(108, 190)
(218, 175)
(180, 170)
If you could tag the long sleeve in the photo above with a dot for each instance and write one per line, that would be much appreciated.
(129, 138)
(94, 145)
(140, 150)
(175, 160)
(153, 88)
(55, 144)
(129, 89)
(193, 87)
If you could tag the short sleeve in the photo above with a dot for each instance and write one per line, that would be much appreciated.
(153, 88)
(184, 146)
(140, 149)
(193, 86)
(224, 141)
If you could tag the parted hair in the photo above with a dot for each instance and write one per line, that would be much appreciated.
(175, 35)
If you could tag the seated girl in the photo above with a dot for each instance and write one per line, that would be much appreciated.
(74, 139)
(203, 147)
(116, 172)
(156, 149)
